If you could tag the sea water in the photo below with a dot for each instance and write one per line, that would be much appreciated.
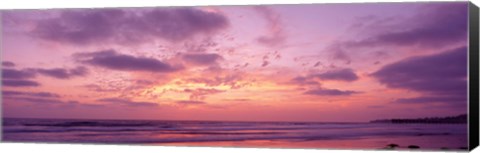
(238, 134)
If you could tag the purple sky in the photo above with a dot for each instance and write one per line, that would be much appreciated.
(319, 62)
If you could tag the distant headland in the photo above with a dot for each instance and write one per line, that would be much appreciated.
(460, 119)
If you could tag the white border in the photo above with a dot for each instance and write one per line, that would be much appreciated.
(33, 4)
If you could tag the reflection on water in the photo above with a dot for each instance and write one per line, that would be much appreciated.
(239, 134)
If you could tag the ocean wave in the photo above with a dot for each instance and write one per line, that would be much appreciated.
(113, 132)
(86, 123)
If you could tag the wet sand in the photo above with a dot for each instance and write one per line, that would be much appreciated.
(368, 143)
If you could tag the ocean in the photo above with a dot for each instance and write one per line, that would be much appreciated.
(238, 134)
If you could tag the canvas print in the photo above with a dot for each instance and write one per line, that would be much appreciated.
(324, 76)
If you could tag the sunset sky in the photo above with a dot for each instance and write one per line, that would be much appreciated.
(318, 62)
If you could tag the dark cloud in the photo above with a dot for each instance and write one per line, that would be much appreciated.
(265, 63)
(339, 75)
(312, 86)
(434, 26)
(18, 78)
(434, 99)
(439, 25)
(58, 73)
(443, 73)
(442, 78)
(127, 102)
(330, 92)
(88, 26)
(202, 59)
(314, 79)
(305, 80)
(339, 52)
(36, 100)
(50, 102)
(181, 23)
(17, 74)
(78, 71)
(81, 26)
(61, 73)
(8, 64)
(19, 83)
(6, 93)
(110, 59)
(190, 102)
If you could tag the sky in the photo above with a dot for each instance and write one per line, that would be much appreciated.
(317, 62)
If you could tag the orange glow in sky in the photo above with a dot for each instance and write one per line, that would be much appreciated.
(335, 62)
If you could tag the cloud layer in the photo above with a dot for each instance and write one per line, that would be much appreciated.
(110, 59)
(444, 24)
(8, 93)
(442, 73)
(202, 59)
(17, 74)
(61, 73)
(435, 26)
(443, 76)
(338, 75)
(128, 26)
(8, 64)
(127, 102)
(330, 92)
(19, 83)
